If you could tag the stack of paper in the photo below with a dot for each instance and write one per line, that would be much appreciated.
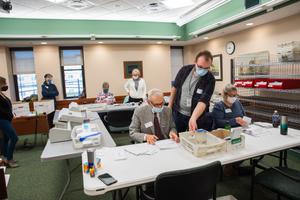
(263, 124)
(166, 144)
(144, 149)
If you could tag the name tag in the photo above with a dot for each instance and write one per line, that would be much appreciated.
(188, 102)
(228, 110)
(148, 124)
(199, 91)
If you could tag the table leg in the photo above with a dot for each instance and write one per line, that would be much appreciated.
(68, 180)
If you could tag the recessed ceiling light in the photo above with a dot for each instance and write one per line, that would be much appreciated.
(43, 43)
(100, 42)
(159, 42)
(249, 24)
(172, 4)
(206, 38)
(57, 1)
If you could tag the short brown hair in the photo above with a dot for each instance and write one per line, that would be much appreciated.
(207, 55)
(2, 81)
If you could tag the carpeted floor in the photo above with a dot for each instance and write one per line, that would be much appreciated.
(36, 180)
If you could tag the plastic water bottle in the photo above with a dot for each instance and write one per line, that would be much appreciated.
(227, 126)
(275, 119)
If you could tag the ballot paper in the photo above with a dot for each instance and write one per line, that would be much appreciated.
(248, 120)
(258, 131)
(166, 144)
(144, 149)
(263, 124)
(120, 154)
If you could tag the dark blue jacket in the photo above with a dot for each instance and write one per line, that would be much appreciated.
(223, 114)
(49, 91)
(206, 85)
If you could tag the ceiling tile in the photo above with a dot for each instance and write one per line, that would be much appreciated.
(116, 6)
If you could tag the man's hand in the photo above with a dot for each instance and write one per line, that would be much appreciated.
(174, 137)
(240, 121)
(192, 124)
(151, 139)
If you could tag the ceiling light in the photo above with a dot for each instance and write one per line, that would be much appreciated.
(57, 1)
(249, 24)
(159, 42)
(206, 38)
(43, 43)
(100, 42)
(172, 4)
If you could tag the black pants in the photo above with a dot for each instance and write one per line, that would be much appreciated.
(182, 122)
(134, 100)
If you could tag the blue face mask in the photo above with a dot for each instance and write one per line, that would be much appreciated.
(105, 90)
(201, 71)
(157, 110)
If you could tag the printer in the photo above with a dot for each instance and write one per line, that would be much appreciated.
(64, 121)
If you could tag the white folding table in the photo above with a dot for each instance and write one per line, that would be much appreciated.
(94, 107)
(66, 151)
(137, 170)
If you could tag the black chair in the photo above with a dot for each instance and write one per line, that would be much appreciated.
(283, 181)
(118, 120)
(192, 184)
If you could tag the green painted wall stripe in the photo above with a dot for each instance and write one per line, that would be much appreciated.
(104, 27)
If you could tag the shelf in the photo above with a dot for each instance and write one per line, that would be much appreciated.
(284, 76)
(268, 114)
(291, 104)
(292, 91)
(271, 64)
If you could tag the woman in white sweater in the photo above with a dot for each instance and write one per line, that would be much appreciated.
(136, 87)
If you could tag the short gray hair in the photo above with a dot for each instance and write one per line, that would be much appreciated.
(228, 88)
(155, 92)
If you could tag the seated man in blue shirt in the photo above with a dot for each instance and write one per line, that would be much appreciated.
(230, 110)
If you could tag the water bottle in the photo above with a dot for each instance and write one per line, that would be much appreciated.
(275, 119)
(86, 126)
(284, 125)
(227, 126)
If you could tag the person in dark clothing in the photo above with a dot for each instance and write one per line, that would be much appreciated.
(191, 93)
(49, 91)
(230, 110)
(6, 115)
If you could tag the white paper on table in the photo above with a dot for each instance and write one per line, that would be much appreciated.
(166, 144)
(264, 124)
(120, 154)
(258, 131)
(145, 149)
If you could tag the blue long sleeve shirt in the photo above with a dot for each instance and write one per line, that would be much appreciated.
(222, 113)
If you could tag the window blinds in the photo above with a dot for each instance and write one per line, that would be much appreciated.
(23, 62)
(71, 57)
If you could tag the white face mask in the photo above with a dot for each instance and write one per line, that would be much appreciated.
(231, 99)
(135, 77)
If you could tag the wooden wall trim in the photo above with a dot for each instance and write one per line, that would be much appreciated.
(65, 103)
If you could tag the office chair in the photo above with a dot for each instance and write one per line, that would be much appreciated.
(192, 184)
(118, 120)
(283, 181)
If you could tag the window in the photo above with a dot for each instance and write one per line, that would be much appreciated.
(24, 72)
(72, 68)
